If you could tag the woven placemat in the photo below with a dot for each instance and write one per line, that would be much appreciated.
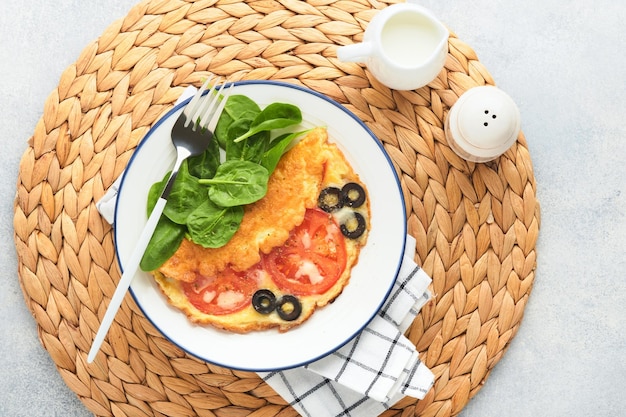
(476, 225)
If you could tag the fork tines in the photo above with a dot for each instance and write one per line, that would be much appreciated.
(203, 105)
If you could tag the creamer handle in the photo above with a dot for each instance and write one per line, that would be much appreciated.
(357, 52)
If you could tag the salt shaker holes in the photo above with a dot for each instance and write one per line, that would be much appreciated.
(482, 124)
(492, 116)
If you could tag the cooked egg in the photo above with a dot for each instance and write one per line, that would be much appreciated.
(311, 165)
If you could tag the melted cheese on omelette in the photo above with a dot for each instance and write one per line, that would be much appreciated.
(294, 186)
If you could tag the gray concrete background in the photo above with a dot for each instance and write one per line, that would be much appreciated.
(564, 65)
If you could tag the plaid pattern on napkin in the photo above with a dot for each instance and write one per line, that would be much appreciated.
(371, 372)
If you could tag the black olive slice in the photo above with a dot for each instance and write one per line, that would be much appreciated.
(352, 195)
(354, 226)
(264, 301)
(288, 308)
(330, 199)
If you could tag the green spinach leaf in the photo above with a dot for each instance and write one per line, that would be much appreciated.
(237, 183)
(205, 165)
(252, 148)
(274, 116)
(164, 243)
(212, 226)
(277, 149)
(237, 107)
(186, 195)
(155, 192)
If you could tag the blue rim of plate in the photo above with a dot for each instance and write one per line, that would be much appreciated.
(339, 107)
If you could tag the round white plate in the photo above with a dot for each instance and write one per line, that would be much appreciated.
(330, 327)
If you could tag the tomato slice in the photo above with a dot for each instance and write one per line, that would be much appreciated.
(226, 293)
(312, 259)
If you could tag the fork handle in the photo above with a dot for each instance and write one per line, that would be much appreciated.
(127, 276)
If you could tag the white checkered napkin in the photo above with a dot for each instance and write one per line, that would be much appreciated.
(313, 395)
(409, 292)
(376, 363)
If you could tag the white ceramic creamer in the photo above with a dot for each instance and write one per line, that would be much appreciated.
(404, 47)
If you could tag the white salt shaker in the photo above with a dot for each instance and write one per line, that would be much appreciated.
(483, 124)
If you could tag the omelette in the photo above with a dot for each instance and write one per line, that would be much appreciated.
(293, 252)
